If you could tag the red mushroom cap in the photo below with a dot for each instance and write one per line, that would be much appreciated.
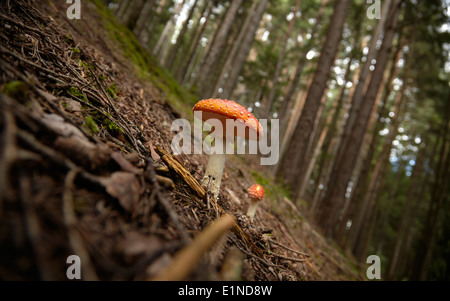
(256, 192)
(223, 109)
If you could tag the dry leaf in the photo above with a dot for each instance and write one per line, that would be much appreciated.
(153, 153)
(123, 186)
(124, 163)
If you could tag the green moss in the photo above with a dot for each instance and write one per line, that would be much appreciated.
(16, 89)
(74, 91)
(75, 49)
(111, 126)
(145, 66)
(69, 39)
(106, 121)
(87, 67)
(91, 125)
(112, 91)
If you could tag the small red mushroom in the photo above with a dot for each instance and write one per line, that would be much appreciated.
(256, 194)
(222, 109)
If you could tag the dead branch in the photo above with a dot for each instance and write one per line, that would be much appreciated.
(187, 258)
(287, 248)
(180, 170)
(287, 258)
(151, 175)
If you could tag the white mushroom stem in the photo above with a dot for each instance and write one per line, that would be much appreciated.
(214, 168)
(252, 209)
(214, 171)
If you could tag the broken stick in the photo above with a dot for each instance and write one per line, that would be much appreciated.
(187, 258)
(180, 170)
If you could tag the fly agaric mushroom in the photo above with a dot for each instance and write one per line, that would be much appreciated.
(223, 110)
(256, 194)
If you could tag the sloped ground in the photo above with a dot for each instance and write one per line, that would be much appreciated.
(82, 111)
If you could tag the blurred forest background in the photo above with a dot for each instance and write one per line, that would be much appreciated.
(361, 89)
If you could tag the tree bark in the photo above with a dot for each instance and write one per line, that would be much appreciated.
(123, 6)
(228, 65)
(143, 20)
(164, 37)
(176, 48)
(365, 167)
(267, 104)
(330, 122)
(207, 69)
(361, 187)
(183, 68)
(370, 192)
(131, 12)
(285, 111)
(293, 161)
(343, 170)
(365, 213)
(359, 90)
(438, 194)
(242, 54)
(408, 212)
(332, 147)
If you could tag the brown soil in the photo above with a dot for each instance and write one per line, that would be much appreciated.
(71, 182)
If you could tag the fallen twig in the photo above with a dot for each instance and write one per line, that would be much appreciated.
(179, 169)
(287, 258)
(165, 203)
(187, 258)
(287, 248)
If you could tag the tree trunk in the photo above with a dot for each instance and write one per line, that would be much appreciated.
(365, 166)
(130, 14)
(438, 193)
(165, 34)
(361, 187)
(184, 66)
(365, 71)
(176, 48)
(242, 54)
(365, 213)
(228, 65)
(293, 162)
(285, 111)
(123, 6)
(267, 105)
(329, 123)
(408, 213)
(318, 146)
(343, 170)
(358, 92)
(143, 20)
(293, 121)
(207, 69)
(332, 144)
(373, 187)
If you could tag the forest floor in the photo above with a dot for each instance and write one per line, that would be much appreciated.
(83, 111)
